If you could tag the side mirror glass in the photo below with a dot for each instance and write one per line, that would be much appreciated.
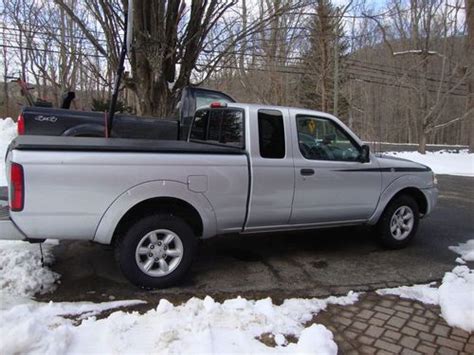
(365, 154)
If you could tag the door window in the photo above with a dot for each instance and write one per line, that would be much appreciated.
(322, 139)
(271, 134)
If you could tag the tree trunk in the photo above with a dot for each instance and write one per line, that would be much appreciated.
(422, 142)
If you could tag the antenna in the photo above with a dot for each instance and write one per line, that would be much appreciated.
(126, 46)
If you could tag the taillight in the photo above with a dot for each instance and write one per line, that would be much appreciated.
(218, 104)
(17, 188)
(21, 125)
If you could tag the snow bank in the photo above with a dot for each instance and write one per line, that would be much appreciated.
(442, 162)
(198, 326)
(7, 133)
(455, 296)
(40, 328)
(21, 273)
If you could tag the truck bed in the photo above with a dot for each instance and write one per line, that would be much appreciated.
(50, 143)
(57, 122)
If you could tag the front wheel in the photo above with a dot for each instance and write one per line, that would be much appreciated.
(156, 251)
(399, 222)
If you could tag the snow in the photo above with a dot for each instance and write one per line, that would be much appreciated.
(197, 326)
(425, 293)
(21, 273)
(456, 298)
(442, 162)
(7, 133)
(466, 250)
(455, 295)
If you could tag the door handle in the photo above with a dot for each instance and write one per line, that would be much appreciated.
(307, 172)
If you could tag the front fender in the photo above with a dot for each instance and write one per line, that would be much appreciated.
(154, 189)
(397, 185)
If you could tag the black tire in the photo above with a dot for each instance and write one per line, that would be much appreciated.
(384, 234)
(126, 246)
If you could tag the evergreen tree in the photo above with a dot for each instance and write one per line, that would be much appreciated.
(323, 61)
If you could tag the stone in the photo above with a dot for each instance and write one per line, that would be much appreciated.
(449, 343)
(365, 314)
(418, 326)
(394, 335)
(381, 344)
(409, 342)
(374, 331)
(441, 330)
(396, 322)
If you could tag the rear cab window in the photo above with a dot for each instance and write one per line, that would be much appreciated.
(219, 126)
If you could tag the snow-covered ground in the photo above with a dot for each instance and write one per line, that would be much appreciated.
(197, 326)
(7, 133)
(442, 162)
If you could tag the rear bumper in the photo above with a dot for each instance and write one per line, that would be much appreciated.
(431, 195)
(9, 231)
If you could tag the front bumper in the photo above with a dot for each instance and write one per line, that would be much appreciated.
(431, 195)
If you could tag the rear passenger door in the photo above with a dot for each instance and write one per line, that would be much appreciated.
(272, 170)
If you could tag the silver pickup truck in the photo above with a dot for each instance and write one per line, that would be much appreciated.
(244, 169)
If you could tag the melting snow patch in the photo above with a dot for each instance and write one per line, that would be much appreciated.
(423, 293)
(466, 250)
(21, 273)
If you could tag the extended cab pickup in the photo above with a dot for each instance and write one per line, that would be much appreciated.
(244, 169)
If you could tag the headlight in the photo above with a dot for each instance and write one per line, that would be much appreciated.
(435, 180)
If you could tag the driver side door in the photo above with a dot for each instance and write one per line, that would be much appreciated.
(331, 184)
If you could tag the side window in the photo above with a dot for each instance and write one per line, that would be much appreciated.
(322, 139)
(271, 134)
(219, 127)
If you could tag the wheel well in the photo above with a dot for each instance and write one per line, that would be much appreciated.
(167, 205)
(417, 195)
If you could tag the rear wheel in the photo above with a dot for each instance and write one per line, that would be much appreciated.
(399, 222)
(156, 251)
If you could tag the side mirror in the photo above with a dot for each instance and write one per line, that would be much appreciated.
(365, 154)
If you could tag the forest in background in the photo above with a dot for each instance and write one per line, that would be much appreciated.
(393, 70)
